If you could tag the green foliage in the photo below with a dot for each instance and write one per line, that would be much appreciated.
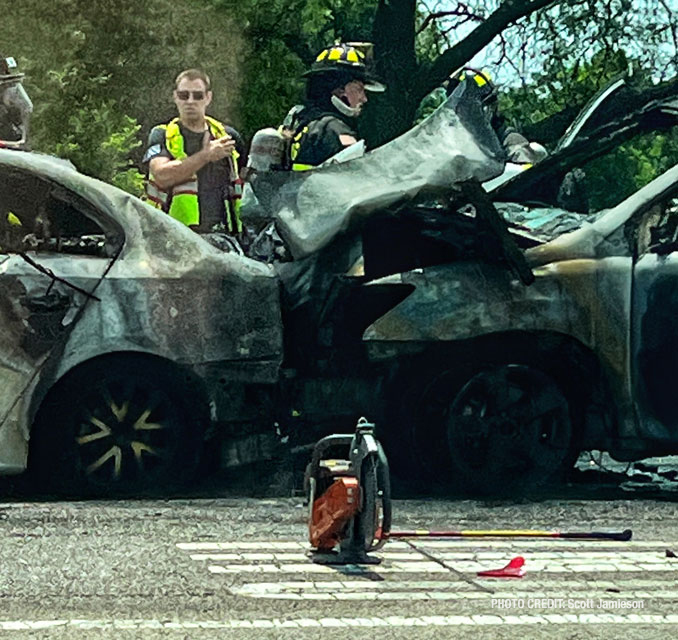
(86, 128)
(612, 178)
(557, 87)
(100, 74)
(98, 141)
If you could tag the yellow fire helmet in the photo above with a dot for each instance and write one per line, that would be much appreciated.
(347, 59)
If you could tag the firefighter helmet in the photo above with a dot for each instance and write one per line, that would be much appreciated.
(345, 60)
(486, 89)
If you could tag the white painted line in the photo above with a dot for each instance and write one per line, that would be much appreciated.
(462, 544)
(347, 622)
(441, 591)
(533, 543)
(463, 566)
(535, 586)
(648, 557)
(217, 546)
(352, 569)
(256, 557)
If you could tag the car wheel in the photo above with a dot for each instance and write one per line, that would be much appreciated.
(508, 430)
(121, 426)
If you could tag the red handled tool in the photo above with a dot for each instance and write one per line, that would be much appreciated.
(350, 505)
(621, 536)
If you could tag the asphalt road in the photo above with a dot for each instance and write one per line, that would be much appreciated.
(230, 567)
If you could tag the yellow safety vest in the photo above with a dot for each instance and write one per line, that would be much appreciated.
(181, 200)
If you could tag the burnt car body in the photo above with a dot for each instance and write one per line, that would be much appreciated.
(130, 348)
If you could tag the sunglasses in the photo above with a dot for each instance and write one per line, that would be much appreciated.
(185, 95)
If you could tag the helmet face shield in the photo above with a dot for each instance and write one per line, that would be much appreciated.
(373, 85)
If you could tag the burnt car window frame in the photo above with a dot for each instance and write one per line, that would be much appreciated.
(114, 235)
(655, 242)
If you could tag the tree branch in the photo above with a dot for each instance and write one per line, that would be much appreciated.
(460, 13)
(508, 12)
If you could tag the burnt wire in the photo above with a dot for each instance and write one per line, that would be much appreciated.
(602, 467)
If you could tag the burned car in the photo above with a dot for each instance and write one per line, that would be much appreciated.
(131, 350)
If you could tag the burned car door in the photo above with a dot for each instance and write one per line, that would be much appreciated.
(53, 254)
(655, 321)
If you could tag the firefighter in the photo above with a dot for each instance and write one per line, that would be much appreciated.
(518, 148)
(572, 194)
(192, 161)
(336, 86)
(15, 105)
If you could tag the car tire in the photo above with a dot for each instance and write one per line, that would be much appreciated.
(509, 431)
(122, 425)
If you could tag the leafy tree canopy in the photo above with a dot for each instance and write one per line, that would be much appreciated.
(100, 71)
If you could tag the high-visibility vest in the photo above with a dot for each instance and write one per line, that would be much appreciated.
(181, 200)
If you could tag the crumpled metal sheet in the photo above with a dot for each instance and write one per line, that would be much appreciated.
(453, 145)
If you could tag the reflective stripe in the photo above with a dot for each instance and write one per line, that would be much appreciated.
(302, 167)
(186, 187)
(155, 196)
(352, 55)
(296, 145)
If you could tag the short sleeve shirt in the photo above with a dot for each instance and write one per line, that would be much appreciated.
(214, 178)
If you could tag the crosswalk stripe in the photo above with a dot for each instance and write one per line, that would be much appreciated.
(535, 585)
(309, 567)
(415, 562)
(550, 571)
(569, 557)
(433, 567)
(257, 624)
(292, 592)
(552, 544)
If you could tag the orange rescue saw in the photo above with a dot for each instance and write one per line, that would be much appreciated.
(349, 498)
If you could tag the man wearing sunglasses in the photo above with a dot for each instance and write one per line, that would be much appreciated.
(192, 161)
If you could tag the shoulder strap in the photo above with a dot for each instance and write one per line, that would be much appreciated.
(174, 141)
(218, 129)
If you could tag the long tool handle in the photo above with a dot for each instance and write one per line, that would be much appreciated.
(622, 536)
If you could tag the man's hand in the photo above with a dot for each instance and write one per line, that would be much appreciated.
(217, 149)
(166, 173)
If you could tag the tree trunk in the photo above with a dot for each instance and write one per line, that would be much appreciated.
(408, 82)
(396, 64)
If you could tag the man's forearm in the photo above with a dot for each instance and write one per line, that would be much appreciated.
(173, 172)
